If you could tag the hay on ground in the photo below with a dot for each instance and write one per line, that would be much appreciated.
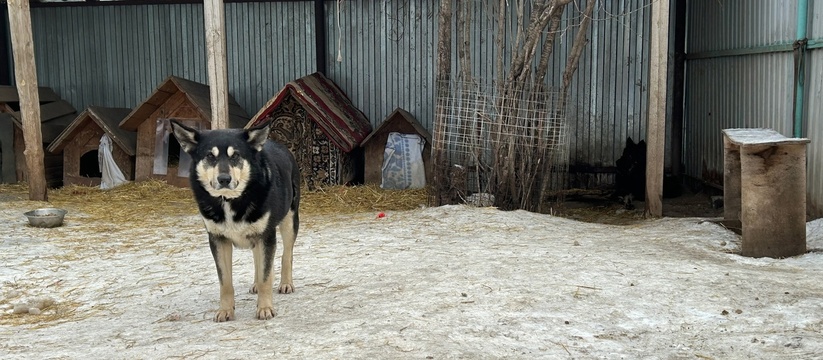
(153, 198)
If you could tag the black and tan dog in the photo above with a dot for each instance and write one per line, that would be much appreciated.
(245, 186)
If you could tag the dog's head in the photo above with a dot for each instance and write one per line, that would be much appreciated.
(221, 158)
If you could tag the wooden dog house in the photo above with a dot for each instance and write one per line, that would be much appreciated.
(374, 145)
(322, 128)
(80, 142)
(158, 154)
(55, 115)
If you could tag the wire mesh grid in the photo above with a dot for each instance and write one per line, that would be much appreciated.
(507, 141)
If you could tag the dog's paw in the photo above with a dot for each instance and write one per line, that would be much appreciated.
(286, 288)
(253, 289)
(265, 313)
(224, 315)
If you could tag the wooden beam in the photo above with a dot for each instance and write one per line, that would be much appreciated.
(5, 48)
(51, 111)
(25, 74)
(656, 137)
(215, 18)
(678, 88)
(320, 35)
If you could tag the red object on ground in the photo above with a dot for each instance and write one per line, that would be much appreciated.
(381, 215)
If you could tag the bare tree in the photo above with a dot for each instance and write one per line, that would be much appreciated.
(521, 151)
(440, 176)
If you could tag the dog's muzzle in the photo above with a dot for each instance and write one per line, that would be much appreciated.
(224, 181)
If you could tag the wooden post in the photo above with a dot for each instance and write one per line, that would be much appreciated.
(731, 180)
(773, 199)
(320, 35)
(765, 189)
(215, 19)
(25, 74)
(656, 137)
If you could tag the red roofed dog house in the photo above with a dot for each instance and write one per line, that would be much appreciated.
(80, 142)
(315, 119)
(158, 154)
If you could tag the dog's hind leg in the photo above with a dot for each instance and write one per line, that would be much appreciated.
(288, 231)
(221, 249)
(263, 253)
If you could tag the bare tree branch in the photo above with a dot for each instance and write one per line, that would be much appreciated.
(580, 41)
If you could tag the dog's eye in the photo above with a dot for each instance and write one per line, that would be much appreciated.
(210, 156)
(235, 156)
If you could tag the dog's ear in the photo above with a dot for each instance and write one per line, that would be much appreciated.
(186, 136)
(258, 135)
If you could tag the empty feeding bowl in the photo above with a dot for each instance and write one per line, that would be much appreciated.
(46, 217)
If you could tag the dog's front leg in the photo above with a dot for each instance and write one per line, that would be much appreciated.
(221, 249)
(263, 257)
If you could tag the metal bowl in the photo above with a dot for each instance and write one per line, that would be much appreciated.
(46, 217)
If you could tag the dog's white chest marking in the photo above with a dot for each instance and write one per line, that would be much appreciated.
(242, 234)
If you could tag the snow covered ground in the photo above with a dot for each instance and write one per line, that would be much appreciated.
(434, 283)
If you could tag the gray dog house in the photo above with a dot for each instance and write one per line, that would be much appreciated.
(55, 115)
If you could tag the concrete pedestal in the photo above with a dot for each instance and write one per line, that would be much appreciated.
(764, 187)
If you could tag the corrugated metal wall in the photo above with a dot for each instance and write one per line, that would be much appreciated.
(116, 56)
(387, 55)
(814, 113)
(388, 52)
(752, 90)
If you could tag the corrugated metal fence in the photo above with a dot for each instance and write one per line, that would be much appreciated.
(116, 56)
(740, 71)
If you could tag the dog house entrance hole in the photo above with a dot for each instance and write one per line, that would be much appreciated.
(174, 152)
(167, 151)
(90, 165)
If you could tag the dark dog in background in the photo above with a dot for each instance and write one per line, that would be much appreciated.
(245, 186)
(630, 181)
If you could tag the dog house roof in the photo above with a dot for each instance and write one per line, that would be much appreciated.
(396, 115)
(327, 105)
(55, 113)
(107, 119)
(197, 93)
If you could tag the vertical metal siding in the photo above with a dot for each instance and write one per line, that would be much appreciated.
(608, 94)
(750, 90)
(389, 59)
(268, 45)
(814, 129)
(735, 91)
(720, 25)
(387, 55)
(732, 92)
(117, 55)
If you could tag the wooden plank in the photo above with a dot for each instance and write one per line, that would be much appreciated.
(758, 137)
(9, 94)
(7, 161)
(215, 19)
(656, 137)
(25, 73)
(52, 110)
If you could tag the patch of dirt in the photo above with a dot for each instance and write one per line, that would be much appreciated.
(598, 208)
